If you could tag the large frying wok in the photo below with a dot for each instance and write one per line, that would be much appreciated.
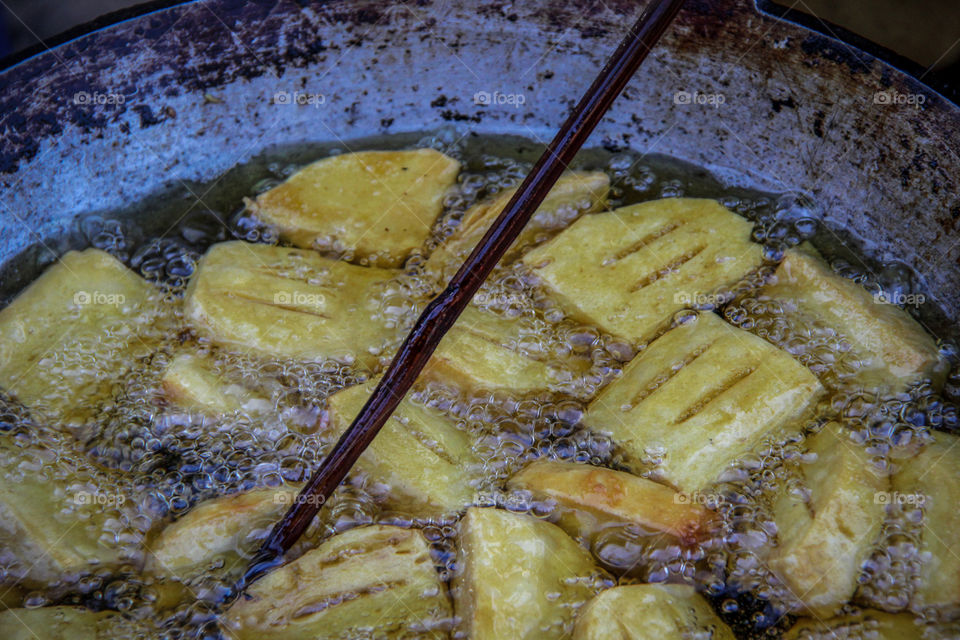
(169, 100)
(198, 82)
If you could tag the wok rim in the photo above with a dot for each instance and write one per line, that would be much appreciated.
(825, 29)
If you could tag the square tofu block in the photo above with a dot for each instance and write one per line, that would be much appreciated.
(825, 536)
(370, 582)
(217, 531)
(628, 271)
(518, 578)
(698, 397)
(64, 623)
(58, 514)
(931, 480)
(872, 625)
(592, 498)
(892, 346)
(378, 205)
(574, 194)
(483, 351)
(288, 303)
(72, 333)
(422, 456)
(192, 382)
(650, 612)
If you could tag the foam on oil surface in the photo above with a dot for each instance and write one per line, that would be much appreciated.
(167, 460)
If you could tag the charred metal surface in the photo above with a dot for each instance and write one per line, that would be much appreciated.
(185, 93)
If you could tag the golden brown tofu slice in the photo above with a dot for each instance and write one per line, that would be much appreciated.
(483, 351)
(288, 303)
(650, 612)
(376, 581)
(869, 625)
(421, 455)
(518, 577)
(827, 529)
(628, 271)
(698, 397)
(930, 481)
(216, 531)
(892, 346)
(377, 205)
(72, 333)
(58, 514)
(591, 498)
(64, 623)
(192, 382)
(574, 194)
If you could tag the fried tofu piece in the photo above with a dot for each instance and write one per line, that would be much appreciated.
(420, 454)
(825, 536)
(482, 351)
(893, 347)
(288, 303)
(574, 194)
(56, 511)
(192, 382)
(698, 397)
(650, 612)
(869, 624)
(72, 333)
(215, 531)
(628, 271)
(930, 480)
(376, 581)
(518, 577)
(64, 623)
(378, 205)
(591, 498)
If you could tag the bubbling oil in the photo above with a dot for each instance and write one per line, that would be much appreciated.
(168, 460)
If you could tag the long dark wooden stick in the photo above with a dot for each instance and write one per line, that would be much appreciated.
(444, 310)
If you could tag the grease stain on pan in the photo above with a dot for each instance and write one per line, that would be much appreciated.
(204, 45)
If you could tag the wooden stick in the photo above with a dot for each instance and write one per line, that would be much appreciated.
(444, 310)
